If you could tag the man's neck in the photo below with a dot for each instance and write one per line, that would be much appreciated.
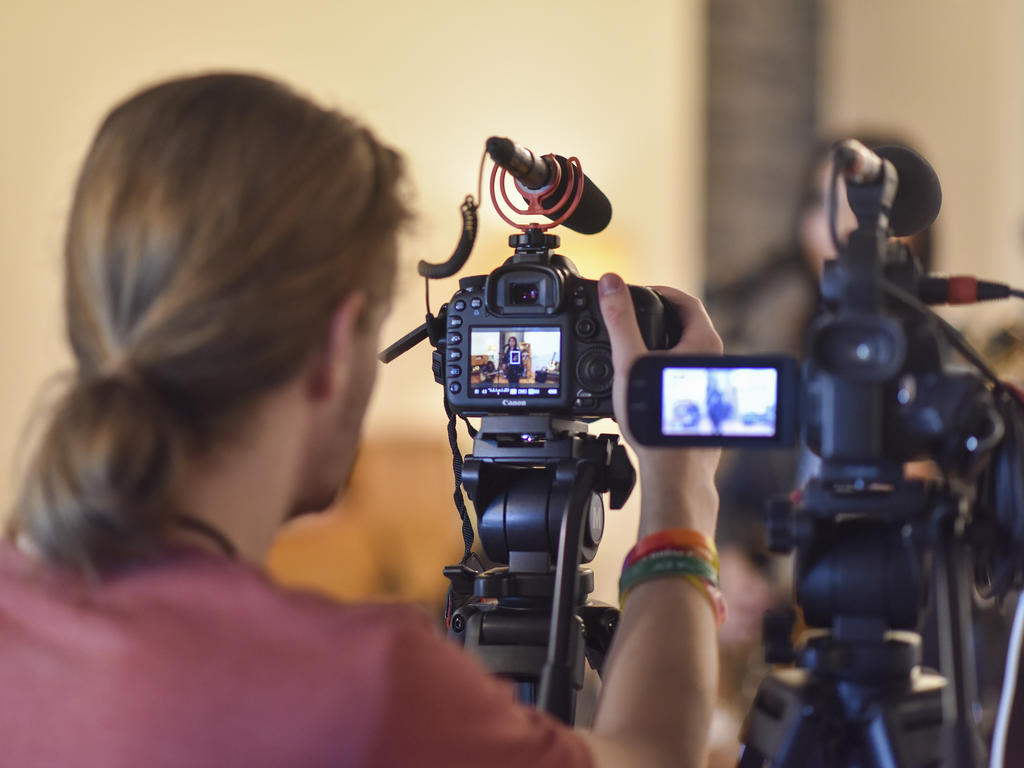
(243, 489)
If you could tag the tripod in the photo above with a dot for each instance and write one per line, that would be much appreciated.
(858, 696)
(534, 481)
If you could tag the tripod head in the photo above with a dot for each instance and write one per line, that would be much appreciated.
(519, 465)
(536, 482)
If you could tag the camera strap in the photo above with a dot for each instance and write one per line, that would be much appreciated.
(458, 495)
(203, 528)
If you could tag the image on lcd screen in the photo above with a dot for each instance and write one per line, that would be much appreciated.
(719, 402)
(521, 362)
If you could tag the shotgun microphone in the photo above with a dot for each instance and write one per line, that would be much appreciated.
(536, 172)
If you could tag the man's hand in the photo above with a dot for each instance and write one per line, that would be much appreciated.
(677, 484)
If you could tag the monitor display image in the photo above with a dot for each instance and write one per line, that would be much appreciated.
(517, 361)
(719, 402)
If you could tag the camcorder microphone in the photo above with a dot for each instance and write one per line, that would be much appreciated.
(535, 173)
(919, 195)
(857, 163)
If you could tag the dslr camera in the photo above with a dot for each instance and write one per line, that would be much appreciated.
(529, 336)
(525, 349)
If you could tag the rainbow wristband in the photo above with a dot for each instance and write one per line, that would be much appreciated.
(698, 553)
(666, 563)
(710, 591)
(714, 596)
(675, 551)
(673, 538)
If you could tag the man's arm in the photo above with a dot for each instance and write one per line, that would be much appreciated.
(661, 680)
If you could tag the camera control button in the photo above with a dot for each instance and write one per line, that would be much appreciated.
(454, 338)
(585, 402)
(455, 321)
(476, 302)
(459, 305)
(455, 387)
(586, 327)
(594, 371)
(454, 355)
(454, 370)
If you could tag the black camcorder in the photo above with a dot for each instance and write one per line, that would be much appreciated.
(873, 544)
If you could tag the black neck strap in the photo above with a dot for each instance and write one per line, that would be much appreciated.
(203, 528)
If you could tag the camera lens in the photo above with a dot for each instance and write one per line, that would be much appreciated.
(523, 293)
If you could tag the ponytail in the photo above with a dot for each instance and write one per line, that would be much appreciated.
(97, 492)
(217, 223)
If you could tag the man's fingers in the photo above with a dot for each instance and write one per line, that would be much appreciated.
(620, 320)
(699, 334)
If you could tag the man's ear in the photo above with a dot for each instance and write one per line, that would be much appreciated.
(331, 366)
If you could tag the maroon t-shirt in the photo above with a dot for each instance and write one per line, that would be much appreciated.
(201, 661)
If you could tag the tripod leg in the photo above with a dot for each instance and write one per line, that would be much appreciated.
(880, 745)
(750, 758)
(785, 727)
(556, 690)
(956, 648)
(904, 727)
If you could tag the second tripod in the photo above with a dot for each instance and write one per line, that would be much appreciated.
(859, 697)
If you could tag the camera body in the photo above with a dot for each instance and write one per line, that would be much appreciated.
(878, 387)
(529, 337)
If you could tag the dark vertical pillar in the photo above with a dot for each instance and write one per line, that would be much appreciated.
(762, 81)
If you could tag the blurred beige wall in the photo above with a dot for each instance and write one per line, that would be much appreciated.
(619, 87)
(950, 76)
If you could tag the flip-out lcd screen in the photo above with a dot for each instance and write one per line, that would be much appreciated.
(724, 402)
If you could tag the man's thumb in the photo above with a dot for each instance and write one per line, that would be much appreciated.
(620, 320)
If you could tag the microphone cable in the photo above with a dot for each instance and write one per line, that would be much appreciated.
(1006, 485)
(997, 755)
(467, 238)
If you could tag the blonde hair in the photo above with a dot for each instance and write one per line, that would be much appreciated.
(217, 223)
